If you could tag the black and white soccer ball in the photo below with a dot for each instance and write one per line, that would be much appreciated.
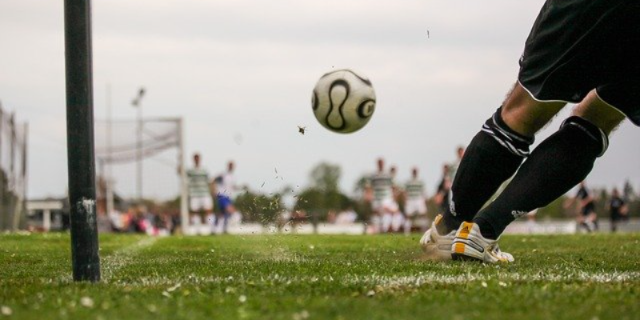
(343, 101)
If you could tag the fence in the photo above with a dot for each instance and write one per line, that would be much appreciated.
(13, 171)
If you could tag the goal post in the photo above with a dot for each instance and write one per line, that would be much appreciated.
(184, 197)
(161, 147)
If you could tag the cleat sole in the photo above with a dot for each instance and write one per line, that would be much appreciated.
(463, 257)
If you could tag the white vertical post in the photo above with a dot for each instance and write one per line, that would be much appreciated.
(184, 208)
(22, 198)
(46, 220)
(2, 190)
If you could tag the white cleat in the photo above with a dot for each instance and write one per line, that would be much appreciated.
(436, 246)
(469, 244)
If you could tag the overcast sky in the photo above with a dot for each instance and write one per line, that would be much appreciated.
(240, 73)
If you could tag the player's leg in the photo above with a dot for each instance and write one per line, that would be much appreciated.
(408, 224)
(555, 166)
(586, 221)
(495, 153)
(593, 220)
(376, 217)
(581, 221)
(194, 208)
(376, 222)
(410, 215)
(229, 211)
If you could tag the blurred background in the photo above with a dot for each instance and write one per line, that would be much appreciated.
(232, 81)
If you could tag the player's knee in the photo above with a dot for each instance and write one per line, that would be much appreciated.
(599, 113)
(526, 115)
(589, 131)
(505, 136)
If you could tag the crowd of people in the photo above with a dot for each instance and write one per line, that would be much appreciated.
(140, 219)
(395, 207)
(403, 207)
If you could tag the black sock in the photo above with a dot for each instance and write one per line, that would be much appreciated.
(494, 155)
(553, 168)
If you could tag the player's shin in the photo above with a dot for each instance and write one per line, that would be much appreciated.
(494, 154)
(553, 168)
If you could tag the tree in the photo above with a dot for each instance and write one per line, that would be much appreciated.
(326, 176)
(324, 194)
(259, 207)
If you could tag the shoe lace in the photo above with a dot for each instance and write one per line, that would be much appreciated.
(498, 253)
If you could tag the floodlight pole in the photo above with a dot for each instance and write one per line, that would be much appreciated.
(137, 103)
(109, 188)
(80, 144)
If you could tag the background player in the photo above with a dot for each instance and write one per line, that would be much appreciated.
(380, 191)
(200, 201)
(415, 204)
(586, 215)
(617, 208)
(225, 185)
(397, 217)
(441, 198)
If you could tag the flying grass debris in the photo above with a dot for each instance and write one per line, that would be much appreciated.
(172, 289)
(86, 302)
(6, 311)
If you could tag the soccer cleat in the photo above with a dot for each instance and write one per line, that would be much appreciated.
(469, 244)
(436, 246)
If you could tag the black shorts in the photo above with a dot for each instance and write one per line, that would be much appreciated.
(615, 217)
(588, 209)
(576, 46)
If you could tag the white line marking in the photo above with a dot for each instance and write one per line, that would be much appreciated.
(122, 257)
(394, 281)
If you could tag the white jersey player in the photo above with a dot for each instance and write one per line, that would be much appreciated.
(200, 201)
(415, 195)
(383, 205)
(226, 191)
(416, 203)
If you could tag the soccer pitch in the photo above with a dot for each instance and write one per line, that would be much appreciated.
(320, 277)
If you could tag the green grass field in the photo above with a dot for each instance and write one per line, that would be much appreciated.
(320, 277)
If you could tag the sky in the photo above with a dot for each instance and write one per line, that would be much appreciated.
(240, 75)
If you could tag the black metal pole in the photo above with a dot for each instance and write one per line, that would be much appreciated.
(80, 145)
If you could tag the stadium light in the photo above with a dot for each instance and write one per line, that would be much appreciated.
(80, 144)
(137, 103)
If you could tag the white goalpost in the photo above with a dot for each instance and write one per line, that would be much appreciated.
(158, 152)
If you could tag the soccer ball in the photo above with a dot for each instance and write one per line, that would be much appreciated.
(343, 101)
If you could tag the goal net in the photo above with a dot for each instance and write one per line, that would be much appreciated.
(13, 171)
(140, 160)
